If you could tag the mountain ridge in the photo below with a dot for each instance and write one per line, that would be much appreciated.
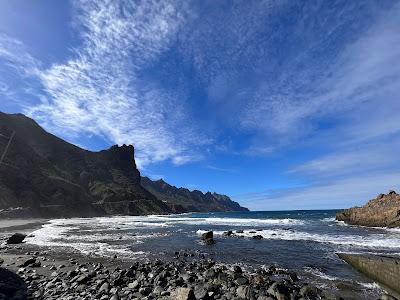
(45, 176)
(183, 200)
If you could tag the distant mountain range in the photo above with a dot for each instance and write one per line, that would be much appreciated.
(43, 175)
(183, 200)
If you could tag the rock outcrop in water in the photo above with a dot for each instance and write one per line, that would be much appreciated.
(182, 200)
(44, 176)
(383, 211)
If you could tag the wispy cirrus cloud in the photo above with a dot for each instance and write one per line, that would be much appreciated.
(101, 89)
(336, 194)
(14, 56)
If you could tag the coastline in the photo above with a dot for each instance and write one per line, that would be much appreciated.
(63, 274)
(64, 260)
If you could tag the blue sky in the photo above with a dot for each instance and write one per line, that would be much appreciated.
(279, 104)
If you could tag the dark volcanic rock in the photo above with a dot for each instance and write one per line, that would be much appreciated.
(383, 211)
(208, 238)
(16, 238)
(44, 176)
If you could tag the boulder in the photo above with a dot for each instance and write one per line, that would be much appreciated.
(257, 237)
(183, 294)
(279, 290)
(28, 262)
(208, 238)
(207, 235)
(16, 238)
(244, 292)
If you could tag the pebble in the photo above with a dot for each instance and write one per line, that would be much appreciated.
(189, 277)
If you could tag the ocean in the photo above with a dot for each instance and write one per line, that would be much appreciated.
(302, 241)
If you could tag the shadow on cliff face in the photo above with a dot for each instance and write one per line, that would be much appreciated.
(12, 286)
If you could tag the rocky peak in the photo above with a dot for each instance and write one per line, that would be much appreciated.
(124, 152)
(121, 156)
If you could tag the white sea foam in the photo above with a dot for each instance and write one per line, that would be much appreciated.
(320, 274)
(370, 285)
(68, 233)
(332, 219)
(108, 234)
(394, 230)
(380, 241)
(228, 221)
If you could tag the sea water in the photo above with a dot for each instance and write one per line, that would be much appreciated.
(302, 241)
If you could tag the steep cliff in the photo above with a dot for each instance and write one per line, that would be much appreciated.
(43, 175)
(182, 200)
(383, 211)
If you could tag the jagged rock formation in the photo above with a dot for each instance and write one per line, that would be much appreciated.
(42, 175)
(383, 211)
(183, 200)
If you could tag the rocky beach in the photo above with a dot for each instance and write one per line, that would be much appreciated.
(40, 272)
(31, 272)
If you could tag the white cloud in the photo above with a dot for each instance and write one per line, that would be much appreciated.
(340, 193)
(364, 159)
(15, 56)
(366, 73)
(101, 89)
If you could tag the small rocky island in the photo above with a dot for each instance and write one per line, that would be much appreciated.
(383, 211)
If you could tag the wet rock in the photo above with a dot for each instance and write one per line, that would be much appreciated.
(228, 233)
(208, 238)
(237, 269)
(257, 237)
(209, 242)
(16, 238)
(28, 262)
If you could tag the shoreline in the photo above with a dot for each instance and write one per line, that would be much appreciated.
(51, 274)
(21, 224)
(55, 259)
